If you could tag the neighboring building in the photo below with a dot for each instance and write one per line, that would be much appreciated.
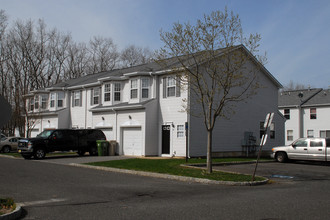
(141, 108)
(307, 113)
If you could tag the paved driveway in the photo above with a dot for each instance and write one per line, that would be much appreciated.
(293, 171)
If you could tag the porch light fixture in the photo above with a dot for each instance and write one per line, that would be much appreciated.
(102, 118)
(130, 117)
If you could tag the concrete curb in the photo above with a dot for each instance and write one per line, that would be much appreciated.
(172, 177)
(13, 215)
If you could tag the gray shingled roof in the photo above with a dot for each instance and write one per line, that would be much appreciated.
(303, 97)
(166, 64)
(321, 98)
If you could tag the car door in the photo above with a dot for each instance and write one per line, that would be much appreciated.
(57, 141)
(13, 143)
(299, 149)
(316, 150)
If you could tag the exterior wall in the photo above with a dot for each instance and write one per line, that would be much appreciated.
(228, 135)
(171, 113)
(107, 125)
(292, 124)
(321, 123)
(64, 120)
(80, 115)
(151, 135)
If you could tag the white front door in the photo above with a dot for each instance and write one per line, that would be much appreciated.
(132, 141)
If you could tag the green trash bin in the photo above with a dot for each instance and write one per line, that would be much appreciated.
(102, 147)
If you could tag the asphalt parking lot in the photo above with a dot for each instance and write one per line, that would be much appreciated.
(292, 171)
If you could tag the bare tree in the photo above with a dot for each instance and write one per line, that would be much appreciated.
(104, 55)
(294, 86)
(212, 66)
(133, 55)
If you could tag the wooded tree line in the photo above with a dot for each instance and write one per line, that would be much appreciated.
(33, 57)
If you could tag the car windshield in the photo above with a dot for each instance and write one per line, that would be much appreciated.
(44, 134)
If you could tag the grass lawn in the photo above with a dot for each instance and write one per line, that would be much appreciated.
(172, 166)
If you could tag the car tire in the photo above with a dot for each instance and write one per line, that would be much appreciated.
(39, 153)
(93, 151)
(6, 149)
(81, 153)
(281, 157)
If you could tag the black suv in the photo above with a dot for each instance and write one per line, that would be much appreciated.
(79, 140)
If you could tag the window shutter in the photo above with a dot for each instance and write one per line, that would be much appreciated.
(100, 95)
(91, 96)
(80, 101)
(164, 87)
(178, 88)
(72, 98)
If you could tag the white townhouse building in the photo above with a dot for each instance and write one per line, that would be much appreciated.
(141, 108)
(307, 113)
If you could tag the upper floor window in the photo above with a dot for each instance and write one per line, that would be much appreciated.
(95, 96)
(313, 113)
(145, 84)
(31, 103)
(107, 92)
(134, 89)
(36, 102)
(171, 86)
(287, 113)
(60, 99)
(117, 92)
(44, 99)
(52, 100)
(76, 98)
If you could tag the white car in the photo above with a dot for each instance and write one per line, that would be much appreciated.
(304, 149)
(9, 144)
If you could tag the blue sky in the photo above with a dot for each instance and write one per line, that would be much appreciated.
(295, 33)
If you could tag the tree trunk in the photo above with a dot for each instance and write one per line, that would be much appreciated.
(209, 151)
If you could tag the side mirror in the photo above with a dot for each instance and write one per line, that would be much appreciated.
(294, 146)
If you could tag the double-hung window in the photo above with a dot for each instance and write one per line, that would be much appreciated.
(287, 113)
(171, 86)
(44, 101)
(272, 130)
(60, 99)
(52, 100)
(313, 113)
(31, 102)
(95, 96)
(134, 89)
(107, 92)
(36, 102)
(310, 133)
(117, 92)
(76, 98)
(145, 84)
(289, 135)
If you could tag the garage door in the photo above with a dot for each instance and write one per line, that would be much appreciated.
(132, 141)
